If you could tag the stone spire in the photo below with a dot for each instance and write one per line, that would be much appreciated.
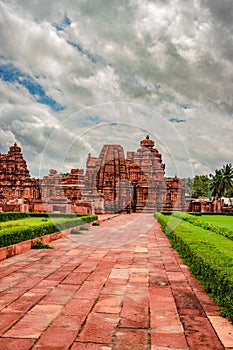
(147, 142)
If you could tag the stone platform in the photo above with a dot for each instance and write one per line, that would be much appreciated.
(118, 286)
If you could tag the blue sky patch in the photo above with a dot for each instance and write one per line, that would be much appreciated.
(184, 105)
(83, 51)
(176, 120)
(66, 22)
(11, 74)
(94, 118)
(58, 27)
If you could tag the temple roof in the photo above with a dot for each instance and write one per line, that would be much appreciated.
(15, 148)
(147, 142)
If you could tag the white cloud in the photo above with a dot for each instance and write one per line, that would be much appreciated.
(163, 55)
(35, 45)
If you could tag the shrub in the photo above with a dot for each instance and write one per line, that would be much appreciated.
(209, 257)
(198, 222)
(83, 228)
(12, 216)
(41, 245)
(75, 232)
(54, 215)
(19, 234)
(95, 223)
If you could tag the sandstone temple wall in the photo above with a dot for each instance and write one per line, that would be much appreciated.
(111, 182)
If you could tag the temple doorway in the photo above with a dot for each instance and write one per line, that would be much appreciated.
(139, 197)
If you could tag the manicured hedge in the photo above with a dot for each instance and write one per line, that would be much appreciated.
(226, 232)
(7, 216)
(208, 255)
(12, 216)
(19, 234)
(54, 215)
(211, 213)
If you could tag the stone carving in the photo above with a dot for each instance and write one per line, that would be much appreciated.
(134, 183)
(17, 188)
(111, 183)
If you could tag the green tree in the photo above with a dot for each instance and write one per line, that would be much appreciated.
(222, 182)
(201, 186)
(189, 186)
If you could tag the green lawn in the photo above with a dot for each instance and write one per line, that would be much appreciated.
(218, 220)
(29, 222)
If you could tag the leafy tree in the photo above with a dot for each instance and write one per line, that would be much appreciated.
(222, 182)
(216, 189)
(201, 186)
(64, 174)
(189, 186)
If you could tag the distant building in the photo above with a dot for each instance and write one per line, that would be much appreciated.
(111, 183)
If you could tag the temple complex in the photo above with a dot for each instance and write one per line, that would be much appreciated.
(110, 183)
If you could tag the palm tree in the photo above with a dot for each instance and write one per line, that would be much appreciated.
(228, 178)
(222, 182)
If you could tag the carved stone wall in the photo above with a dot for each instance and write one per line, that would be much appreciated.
(111, 183)
(134, 183)
(16, 185)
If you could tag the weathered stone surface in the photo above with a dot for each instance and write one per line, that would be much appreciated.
(134, 183)
(17, 188)
(112, 183)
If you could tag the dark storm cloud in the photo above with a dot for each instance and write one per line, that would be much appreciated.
(174, 56)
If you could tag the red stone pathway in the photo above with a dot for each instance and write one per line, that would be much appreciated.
(118, 286)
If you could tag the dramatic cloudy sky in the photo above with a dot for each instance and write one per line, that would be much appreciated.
(76, 74)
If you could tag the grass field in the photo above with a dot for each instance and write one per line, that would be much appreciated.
(29, 222)
(218, 220)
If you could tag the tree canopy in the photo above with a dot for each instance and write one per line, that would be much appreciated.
(221, 183)
(201, 186)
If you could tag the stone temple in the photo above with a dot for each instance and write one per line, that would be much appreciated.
(110, 183)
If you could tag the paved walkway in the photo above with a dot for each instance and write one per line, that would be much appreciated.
(118, 286)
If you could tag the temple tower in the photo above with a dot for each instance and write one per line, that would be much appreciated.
(107, 177)
(146, 173)
(15, 180)
(133, 184)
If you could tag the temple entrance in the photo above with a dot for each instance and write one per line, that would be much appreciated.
(139, 197)
(134, 199)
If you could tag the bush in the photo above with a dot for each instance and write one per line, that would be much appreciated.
(7, 216)
(41, 245)
(211, 213)
(12, 216)
(75, 232)
(83, 228)
(95, 223)
(198, 222)
(54, 215)
(209, 257)
(19, 234)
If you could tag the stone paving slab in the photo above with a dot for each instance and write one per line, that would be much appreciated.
(118, 286)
